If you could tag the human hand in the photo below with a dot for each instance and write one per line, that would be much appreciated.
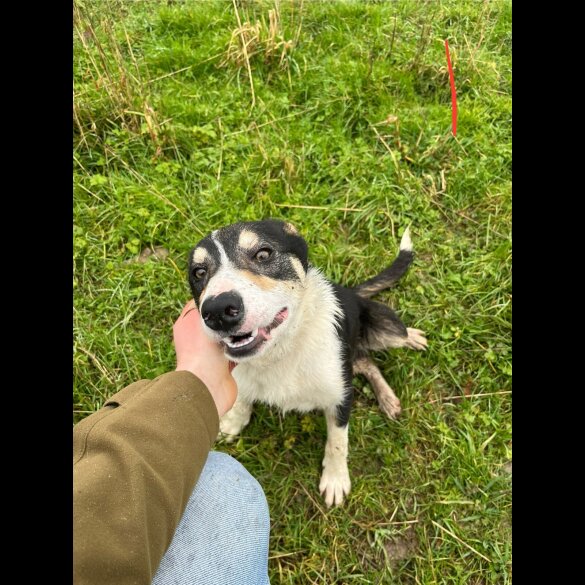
(197, 354)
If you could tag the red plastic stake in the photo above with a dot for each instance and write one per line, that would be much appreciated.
(453, 94)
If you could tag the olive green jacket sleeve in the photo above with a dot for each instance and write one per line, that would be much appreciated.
(135, 464)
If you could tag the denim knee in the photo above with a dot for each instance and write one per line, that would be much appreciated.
(224, 532)
(231, 489)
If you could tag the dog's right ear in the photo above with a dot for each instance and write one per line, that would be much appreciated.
(296, 244)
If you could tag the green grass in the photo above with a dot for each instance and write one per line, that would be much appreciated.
(168, 147)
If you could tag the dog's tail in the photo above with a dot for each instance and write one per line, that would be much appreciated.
(391, 275)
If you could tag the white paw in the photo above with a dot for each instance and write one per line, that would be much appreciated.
(226, 437)
(231, 425)
(416, 339)
(335, 484)
(390, 405)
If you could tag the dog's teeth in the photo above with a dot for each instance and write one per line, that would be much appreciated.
(255, 333)
(241, 342)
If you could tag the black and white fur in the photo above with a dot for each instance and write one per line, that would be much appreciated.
(297, 339)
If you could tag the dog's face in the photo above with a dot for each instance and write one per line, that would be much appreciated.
(247, 280)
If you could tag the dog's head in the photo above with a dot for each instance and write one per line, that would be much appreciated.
(247, 280)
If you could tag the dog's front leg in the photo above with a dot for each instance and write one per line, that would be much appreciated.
(335, 482)
(233, 421)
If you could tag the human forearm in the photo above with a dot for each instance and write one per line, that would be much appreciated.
(135, 464)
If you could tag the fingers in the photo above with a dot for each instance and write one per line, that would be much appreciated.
(187, 324)
(188, 307)
(189, 310)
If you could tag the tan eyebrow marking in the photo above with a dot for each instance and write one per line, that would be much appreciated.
(248, 239)
(200, 255)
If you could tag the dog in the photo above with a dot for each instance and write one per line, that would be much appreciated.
(296, 338)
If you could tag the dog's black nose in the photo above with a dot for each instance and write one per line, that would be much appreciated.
(223, 312)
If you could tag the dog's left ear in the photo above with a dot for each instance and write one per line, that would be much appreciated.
(296, 243)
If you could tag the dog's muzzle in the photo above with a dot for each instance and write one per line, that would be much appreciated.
(223, 312)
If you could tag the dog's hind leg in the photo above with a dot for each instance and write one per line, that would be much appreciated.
(388, 401)
(383, 329)
(234, 420)
(416, 339)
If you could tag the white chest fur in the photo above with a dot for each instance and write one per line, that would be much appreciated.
(303, 369)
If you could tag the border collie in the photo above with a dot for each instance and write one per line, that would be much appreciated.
(297, 339)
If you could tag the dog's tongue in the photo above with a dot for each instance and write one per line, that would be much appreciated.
(280, 317)
(231, 366)
(264, 333)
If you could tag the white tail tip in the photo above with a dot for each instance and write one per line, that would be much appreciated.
(406, 242)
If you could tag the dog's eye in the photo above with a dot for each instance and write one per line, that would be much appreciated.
(199, 273)
(263, 254)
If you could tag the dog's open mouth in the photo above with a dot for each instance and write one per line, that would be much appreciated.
(246, 343)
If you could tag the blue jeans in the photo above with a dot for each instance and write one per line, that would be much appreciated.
(222, 538)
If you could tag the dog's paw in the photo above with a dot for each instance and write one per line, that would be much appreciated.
(225, 437)
(335, 484)
(416, 339)
(229, 430)
(390, 405)
(231, 425)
